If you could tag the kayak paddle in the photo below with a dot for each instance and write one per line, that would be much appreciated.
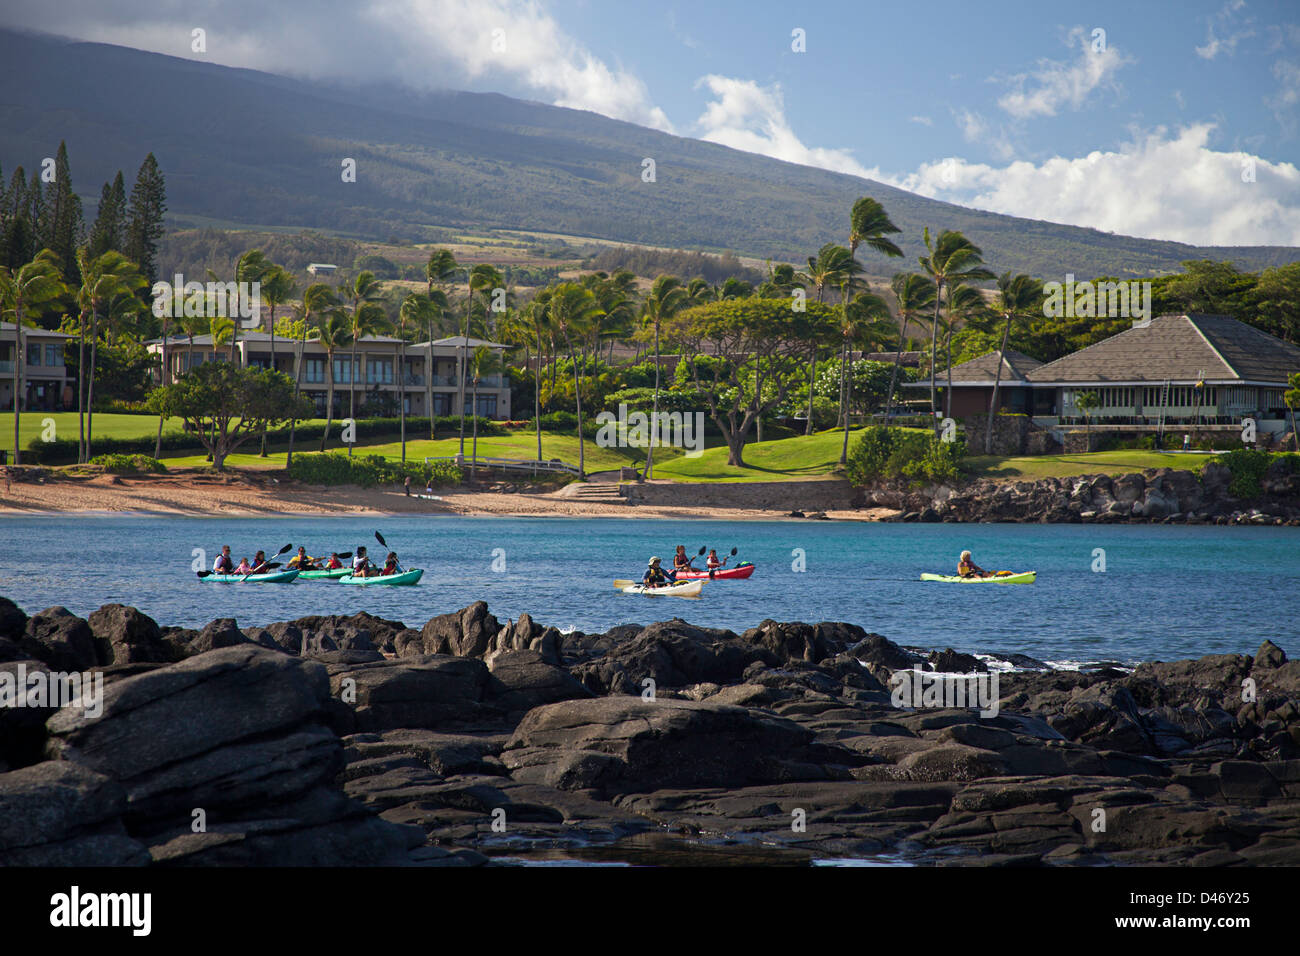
(384, 544)
(285, 550)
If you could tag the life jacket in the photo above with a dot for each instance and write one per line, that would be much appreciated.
(389, 569)
(965, 568)
(714, 562)
(681, 561)
(243, 569)
(654, 576)
(223, 565)
(334, 563)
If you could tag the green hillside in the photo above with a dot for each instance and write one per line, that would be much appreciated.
(427, 163)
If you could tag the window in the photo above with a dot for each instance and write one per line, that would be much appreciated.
(33, 353)
(342, 370)
(379, 371)
(313, 370)
(487, 406)
(54, 356)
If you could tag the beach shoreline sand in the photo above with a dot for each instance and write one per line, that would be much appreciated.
(239, 495)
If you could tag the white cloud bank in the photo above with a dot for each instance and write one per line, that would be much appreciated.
(1159, 186)
(427, 44)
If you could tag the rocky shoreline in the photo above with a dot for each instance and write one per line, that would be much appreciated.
(1155, 496)
(357, 740)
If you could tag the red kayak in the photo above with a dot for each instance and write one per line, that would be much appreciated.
(738, 573)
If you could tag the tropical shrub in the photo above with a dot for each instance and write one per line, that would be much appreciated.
(332, 468)
(893, 453)
(129, 464)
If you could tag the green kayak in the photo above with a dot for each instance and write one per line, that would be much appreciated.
(270, 577)
(325, 573)
(1024, 577)
(406, 577)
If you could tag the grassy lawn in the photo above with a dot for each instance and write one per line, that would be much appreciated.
(516, 444)
(107, 425)
(1092, 463)
(786, 459)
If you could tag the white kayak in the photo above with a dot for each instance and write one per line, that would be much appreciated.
(682, 589)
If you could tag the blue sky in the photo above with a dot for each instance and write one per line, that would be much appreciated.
(1180, 121)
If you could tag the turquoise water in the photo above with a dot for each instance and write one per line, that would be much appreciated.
(1167, 592)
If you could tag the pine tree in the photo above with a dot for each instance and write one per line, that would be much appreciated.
(64, 225)
(109, 230)
(145, 219)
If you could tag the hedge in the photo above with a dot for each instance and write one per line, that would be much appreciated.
(1248, 468)
(129, 464)
(333, 468)
(917, 457)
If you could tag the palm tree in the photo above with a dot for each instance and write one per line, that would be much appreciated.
(1086, 402)
(536, 319)
(952, 258)
(572, 310)
(334, 332)
(868, 226)
(318, 299)
(667, 297)
(102, 279)
(964, 303)
(364, 290)
(370, 319)
(439, 271)
(915, 294)
(278, 287)
(482, 278)
(23, 292)
(1018, 297)
(413, 311)
(828, 268)
(859, 316)
(483, 362)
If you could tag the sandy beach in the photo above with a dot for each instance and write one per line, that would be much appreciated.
(240, 495)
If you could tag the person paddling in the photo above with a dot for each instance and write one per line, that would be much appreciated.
(360, 563)
(224, 564)
(654, 575)
(259, 562)
(333, 564)
(302, 561)
(712, 560)
(390, 565)
(967, 568)
(681, 560)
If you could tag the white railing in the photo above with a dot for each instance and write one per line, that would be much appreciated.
(508, 464)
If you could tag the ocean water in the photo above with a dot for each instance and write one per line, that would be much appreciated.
(1165, 592)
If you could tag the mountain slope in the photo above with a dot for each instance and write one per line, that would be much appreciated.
(239, 146)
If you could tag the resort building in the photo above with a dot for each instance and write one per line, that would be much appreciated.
(387, 371)
(45, 383)
(322, 268)
(1192, 370)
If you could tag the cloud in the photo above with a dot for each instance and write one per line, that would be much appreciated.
(922, 120)
(1056, 84)
(976, 129)
(1214, 44)
(1159, 186)
(426, 44)
(749, 117)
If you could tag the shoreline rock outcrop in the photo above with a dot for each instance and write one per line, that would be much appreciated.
(360, 741)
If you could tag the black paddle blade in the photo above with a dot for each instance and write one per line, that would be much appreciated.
(702, 550)
(271, 566)
(733, 551)
(380, 538)
(286, 548)
(204, 574)
(344, 554)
